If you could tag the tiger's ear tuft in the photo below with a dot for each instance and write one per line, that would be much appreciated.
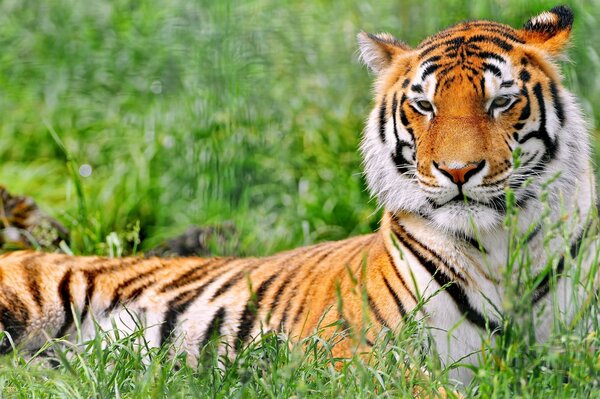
(550, 30)
(377, 51)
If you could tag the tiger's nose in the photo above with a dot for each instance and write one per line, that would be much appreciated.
(462, 174)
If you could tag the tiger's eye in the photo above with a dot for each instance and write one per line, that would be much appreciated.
(425, 105)
(500, 102)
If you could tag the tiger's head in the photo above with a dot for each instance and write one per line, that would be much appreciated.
(451, 112)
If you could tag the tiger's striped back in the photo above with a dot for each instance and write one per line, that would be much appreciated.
(191, 299)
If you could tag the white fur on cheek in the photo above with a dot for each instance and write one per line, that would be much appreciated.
(393, 190)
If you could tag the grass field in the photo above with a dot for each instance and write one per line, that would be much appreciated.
(207, 112)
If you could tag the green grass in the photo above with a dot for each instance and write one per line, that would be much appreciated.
(205, 112)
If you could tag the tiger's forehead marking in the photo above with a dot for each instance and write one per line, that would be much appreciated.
(471, 35)
(466, 53)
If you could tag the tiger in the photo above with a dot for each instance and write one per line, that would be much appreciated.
(472, 118)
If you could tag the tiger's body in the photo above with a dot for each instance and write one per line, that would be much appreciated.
(438, 150)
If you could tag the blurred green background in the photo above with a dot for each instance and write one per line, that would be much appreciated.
(205, 112)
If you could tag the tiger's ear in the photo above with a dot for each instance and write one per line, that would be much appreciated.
(549, 30)
(378, 51)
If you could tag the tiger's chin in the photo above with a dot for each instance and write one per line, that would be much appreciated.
(466, 219)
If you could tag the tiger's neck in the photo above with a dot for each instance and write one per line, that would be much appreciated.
(463, 280)
(485, 256)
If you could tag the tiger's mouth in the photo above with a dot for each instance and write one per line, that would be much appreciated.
(466, 214)
(462, 200)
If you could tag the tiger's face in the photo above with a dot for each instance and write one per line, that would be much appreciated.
(450, 114)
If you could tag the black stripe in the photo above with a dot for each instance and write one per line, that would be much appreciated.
(279, 292)
(471, 80)
(234, 279)
(526, 111)
(475, 244)
(399, 304)
(453, 288)
(284, 316)
(402, 164)
(394, 110)
(180, 304)
(428, 50)
(454, 42)
(193, 278)
(503, 32)
(510, 149)
(251, 311)
(298, 312)
(443, 74)
(465, 66)
(543, 287)
(542, 133)
(90, 279)
(192, 274)
(12, 325)
(482, 85)
(116, 297)
(493, 69)
(403, 118)
(524, 75)
(432, 253)
(523, 199)
(507, 83)
(397, 156)
(437, 37)
(399, 276)
(32, 276)
(375, 310)
(429, 70)
(432, 59)
(14, 320)
(382, 119)
(135, 294)
(64, 292)
(214, 327)
(473, 172)
(504, 45)
(537, 229)
(176, 307)
(489, 54)
(417, 88)
(557, 103)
